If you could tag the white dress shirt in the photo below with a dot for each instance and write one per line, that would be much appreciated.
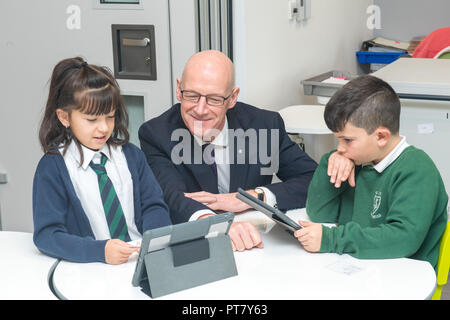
(222, 159)
(85, 182)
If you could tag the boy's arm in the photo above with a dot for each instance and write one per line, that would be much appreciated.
(412, 210)
(324, 199)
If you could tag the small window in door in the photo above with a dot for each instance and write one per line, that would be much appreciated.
(135, 108)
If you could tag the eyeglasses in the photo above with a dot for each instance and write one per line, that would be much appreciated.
(212, 100)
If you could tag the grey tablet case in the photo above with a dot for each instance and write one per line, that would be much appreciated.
(185, 255)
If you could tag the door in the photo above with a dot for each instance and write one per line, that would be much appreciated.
(35, 35)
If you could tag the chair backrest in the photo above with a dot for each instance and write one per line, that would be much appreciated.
(443, 265)
(443, 54)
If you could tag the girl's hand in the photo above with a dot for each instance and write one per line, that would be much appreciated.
(118, 251)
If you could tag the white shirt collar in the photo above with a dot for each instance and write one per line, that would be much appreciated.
(88, 154)
(392, 156)
(221, 139)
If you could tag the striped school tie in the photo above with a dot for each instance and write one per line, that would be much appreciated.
(113, 210)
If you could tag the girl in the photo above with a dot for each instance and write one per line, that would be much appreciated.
(93, 190)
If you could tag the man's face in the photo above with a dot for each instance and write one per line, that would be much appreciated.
(356, 144)
(200, 117)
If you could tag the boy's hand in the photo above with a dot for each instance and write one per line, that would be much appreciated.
(341, 169)
(310, 236)
(118, 251)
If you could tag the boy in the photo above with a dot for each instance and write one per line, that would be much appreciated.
(386, 196)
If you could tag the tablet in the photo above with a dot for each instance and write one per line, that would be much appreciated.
(173, 235)
(273, 213)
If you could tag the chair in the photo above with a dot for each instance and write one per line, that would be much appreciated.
(433, 44)
(443, 54)
(443, 264)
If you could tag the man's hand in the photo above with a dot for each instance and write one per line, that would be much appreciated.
(341, 169)
(222, 201)
(244, 236)
(118, 251)
(310, 236)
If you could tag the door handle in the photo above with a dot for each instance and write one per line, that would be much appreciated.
(3, 178)
(136, 42)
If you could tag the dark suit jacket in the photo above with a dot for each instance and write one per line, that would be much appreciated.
(295, 167)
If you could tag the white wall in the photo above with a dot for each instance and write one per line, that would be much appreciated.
(404, 19)
(34, 38)
(183, 37)
(273, 54)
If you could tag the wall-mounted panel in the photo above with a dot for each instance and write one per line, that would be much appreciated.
(134, 51)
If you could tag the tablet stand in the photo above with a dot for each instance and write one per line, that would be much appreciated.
(198, 252)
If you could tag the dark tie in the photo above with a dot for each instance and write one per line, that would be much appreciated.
(209, 157)
(113, 210)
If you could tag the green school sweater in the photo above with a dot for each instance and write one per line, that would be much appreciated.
(401, 212)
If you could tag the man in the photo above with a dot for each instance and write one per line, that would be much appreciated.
(224, 145)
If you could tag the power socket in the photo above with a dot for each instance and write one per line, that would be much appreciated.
(299, 10)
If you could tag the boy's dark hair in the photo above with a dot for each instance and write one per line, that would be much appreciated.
(366, 102)
(76, 85)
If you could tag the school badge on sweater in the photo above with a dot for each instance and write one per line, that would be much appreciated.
(376, 205)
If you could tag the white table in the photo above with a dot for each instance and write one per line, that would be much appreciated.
(23, 269)
(307, 127)
(304, 119)
(282, 270)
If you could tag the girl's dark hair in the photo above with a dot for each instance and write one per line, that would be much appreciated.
(76, 85)
(366, 102)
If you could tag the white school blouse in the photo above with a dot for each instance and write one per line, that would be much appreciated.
(85, 183)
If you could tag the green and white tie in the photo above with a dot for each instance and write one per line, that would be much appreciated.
(113, 210)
